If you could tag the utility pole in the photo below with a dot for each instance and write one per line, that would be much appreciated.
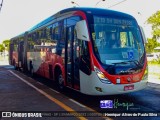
(1, 5)
(117, 3)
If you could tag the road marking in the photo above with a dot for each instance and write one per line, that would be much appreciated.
(48, 96)
(54, 90)
(40, 83)
(77, 103)
(57, 101)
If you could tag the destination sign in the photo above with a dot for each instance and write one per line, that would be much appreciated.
(116, 21)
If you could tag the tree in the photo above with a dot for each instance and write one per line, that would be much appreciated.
(6, 44)
(2, 48)
(150, 45)
(154, 20)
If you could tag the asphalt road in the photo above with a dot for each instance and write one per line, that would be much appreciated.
(144, 101)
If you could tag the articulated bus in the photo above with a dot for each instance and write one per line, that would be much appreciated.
(91, 50)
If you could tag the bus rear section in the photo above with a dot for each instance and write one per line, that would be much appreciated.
(13, 53)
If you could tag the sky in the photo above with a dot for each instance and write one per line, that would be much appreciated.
(18, 16)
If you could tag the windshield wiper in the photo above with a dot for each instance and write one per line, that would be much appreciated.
(136, 62)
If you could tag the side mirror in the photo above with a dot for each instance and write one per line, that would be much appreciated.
(143, 35)
(82, 30)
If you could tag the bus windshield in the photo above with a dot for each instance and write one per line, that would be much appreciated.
(116, 40)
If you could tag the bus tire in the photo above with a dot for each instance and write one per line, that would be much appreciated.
(14, 64)
(60, 81)
(32, 72)
(15, 68)
(31, 69)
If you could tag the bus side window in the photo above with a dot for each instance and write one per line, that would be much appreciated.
(59, 31)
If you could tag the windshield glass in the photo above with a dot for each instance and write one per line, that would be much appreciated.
(116, 40)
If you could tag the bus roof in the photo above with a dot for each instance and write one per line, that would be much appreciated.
(86, 10)
(95, 11)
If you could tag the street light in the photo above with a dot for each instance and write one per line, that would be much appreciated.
(99, 2)
(74, 3)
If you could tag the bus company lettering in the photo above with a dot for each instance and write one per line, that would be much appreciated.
(34, 115)
(15, 114)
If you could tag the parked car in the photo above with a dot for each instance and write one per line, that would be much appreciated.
(153, 56)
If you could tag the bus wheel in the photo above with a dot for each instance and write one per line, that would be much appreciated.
(15, 67)
(60, 81)
(32, 72)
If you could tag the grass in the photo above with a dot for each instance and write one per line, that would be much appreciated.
(154, 62)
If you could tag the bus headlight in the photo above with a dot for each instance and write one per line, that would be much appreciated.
(101, 76)
(145, 76)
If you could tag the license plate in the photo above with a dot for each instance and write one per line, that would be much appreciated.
(129, 87)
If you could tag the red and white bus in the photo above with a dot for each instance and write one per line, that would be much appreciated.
(94, 51)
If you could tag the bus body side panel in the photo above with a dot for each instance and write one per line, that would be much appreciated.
(10, 58)
(41, 62)
(37, 59)
(51, 61)
(25, 67)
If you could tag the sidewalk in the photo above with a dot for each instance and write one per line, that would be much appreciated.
(4, 60)
(153, 79)
(154, 74)
(4, 63)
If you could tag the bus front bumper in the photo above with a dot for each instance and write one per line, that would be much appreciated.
(92, 85)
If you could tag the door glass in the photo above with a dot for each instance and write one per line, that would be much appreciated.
(69, 56)
(76, 59)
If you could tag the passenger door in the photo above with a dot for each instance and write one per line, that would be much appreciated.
(69, 55)
(72, 59)
(21, 53)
